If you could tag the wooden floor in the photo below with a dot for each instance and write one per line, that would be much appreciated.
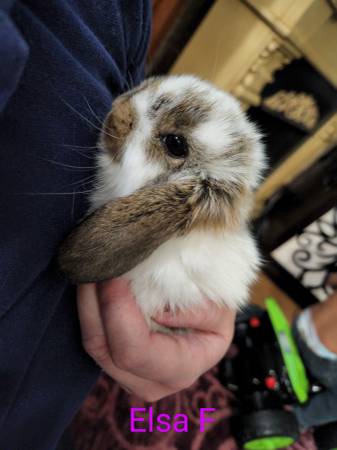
(266, 288)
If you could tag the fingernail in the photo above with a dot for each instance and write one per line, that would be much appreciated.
(163, 317)
(125, 388)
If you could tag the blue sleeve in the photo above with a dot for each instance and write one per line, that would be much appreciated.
(13, 54)
(62, 62)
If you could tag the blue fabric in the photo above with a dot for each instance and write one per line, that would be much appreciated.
(61, 64)
(13, 55)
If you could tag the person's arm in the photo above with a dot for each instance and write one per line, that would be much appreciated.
(13, 53)
(316, 335)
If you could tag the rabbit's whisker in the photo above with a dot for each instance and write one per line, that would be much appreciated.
(67, 166)
(57, 193)
(109, 134)
(100, 129)
(216, 57)
(129, 85)
(82, 153)
(80, 115)
(100, 121)
(82, 181)
(72, 212)
(84, 147)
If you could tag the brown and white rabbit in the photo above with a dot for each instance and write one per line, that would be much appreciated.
(177, 166)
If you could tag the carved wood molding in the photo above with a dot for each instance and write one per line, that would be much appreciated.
(313, 148)
(311, 26)
(298, 107)
(277, 54)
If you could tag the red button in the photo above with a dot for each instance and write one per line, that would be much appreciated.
(254, 322)
(271, 383)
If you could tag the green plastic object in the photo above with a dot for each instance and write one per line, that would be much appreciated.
(269, 443)
(293, 362)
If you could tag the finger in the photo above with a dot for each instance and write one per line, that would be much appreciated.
(181, 359)
(92, 330)
(88, 310)
(145, 389)
(209, 317)
(213, 330)
(126, 329)
(93, 336)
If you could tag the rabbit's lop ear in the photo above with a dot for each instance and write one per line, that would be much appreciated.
(124, 232)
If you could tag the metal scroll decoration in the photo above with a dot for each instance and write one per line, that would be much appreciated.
(311, 256)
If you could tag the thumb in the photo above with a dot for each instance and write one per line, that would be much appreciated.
(207, 318)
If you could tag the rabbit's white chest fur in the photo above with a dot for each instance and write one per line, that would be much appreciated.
(185, 271)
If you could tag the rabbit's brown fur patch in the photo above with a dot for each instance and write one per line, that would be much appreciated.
(124, 232)
(176, 118)
(117, 126)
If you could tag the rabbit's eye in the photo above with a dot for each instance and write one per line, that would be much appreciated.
(176, 145)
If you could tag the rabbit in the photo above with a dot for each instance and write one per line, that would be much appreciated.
(177, 165)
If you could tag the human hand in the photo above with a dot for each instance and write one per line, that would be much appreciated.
(150, 364)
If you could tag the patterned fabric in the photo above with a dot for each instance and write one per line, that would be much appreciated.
(103, 422)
